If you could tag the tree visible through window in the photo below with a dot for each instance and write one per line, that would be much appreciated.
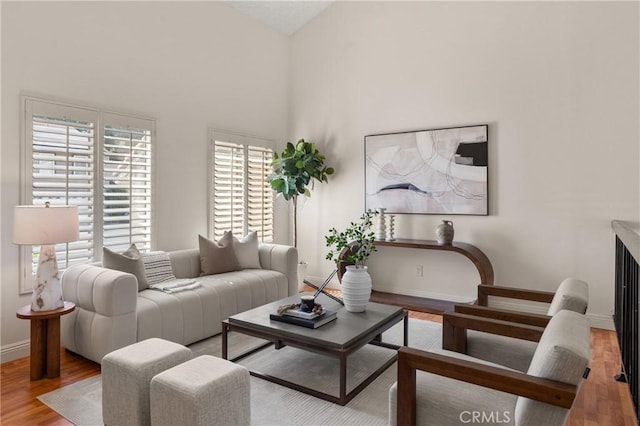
(241, 199)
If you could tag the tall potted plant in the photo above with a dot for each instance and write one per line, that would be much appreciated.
(352, 247)
(294, 170)
(298, 166)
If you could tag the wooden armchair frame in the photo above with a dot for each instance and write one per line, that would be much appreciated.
(484, 291)
(410, 360)
(482, 310)
(455, 326)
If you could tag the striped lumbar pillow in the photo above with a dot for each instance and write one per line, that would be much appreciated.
(157, 267)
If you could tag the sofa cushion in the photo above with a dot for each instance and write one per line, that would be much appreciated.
(216, 258)
(130, 261)
(193, 315)
(246, 250)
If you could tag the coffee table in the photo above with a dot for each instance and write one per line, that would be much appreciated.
(339, 338)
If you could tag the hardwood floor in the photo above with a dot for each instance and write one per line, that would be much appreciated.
(18, 395)
(601, 400)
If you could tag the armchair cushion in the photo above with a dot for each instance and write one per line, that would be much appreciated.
(563, 354)
(572, 295)
(508, 351)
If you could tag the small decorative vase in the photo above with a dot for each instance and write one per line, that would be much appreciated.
(444, 232)
(356, 288)
(382, 226)
(391, 235)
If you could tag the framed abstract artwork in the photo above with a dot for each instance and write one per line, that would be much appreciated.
(437, 171)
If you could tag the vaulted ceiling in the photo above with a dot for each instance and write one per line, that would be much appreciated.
(284, 16)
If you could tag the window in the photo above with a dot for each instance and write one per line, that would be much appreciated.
(240, 196)
(96, 160)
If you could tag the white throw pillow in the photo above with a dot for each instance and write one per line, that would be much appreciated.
(247, 251)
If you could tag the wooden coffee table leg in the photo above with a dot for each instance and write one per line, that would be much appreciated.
(225, 329)
(38, 350)
(53, 347)
(343, 379)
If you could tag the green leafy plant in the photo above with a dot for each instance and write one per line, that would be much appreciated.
(298, 166)
(353, 245)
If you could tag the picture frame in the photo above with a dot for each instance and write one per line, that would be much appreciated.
(435, 171)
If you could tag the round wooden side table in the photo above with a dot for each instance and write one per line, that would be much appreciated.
(45, 339)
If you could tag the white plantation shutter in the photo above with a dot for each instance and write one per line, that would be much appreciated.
(106, 173)
(259, 193)
(61, 157)
(241, 199)
(126, 183)
(228, 208)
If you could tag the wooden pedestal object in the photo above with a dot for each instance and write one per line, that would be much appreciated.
(45, 339)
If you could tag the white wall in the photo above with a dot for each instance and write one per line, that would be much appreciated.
(558, 85)
(189, 65)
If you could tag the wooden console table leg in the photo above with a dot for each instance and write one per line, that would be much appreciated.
(53, 347)
(38, 349)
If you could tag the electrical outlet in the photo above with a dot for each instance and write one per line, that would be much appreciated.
(419, 271)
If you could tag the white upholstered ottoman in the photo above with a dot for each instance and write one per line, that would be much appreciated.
(204, 391)
(126, 377)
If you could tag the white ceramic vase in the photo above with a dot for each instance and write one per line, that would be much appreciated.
(356, 289)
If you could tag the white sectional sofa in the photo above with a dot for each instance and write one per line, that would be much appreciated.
(111, 313)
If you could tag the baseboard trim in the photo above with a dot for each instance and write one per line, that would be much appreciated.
(427, 294)
(14, 351)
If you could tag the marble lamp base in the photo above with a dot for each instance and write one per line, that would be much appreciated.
(47, 291)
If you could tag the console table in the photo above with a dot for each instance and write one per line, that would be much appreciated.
(471, 252)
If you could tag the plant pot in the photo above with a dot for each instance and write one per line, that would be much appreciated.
(302, 274)
(356, 289)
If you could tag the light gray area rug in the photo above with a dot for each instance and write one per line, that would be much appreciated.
(272, 404)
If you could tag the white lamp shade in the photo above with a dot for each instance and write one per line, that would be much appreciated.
(34, 225)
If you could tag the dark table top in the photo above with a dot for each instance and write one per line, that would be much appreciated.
(347, 330)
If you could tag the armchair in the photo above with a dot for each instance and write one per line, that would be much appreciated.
(429, 388)
(486, 333)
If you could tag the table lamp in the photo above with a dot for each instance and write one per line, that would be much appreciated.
(46, 225)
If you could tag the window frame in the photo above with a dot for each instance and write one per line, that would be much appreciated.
(99, 117)
(246, 141)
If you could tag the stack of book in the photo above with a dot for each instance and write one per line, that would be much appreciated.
(305, 319)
